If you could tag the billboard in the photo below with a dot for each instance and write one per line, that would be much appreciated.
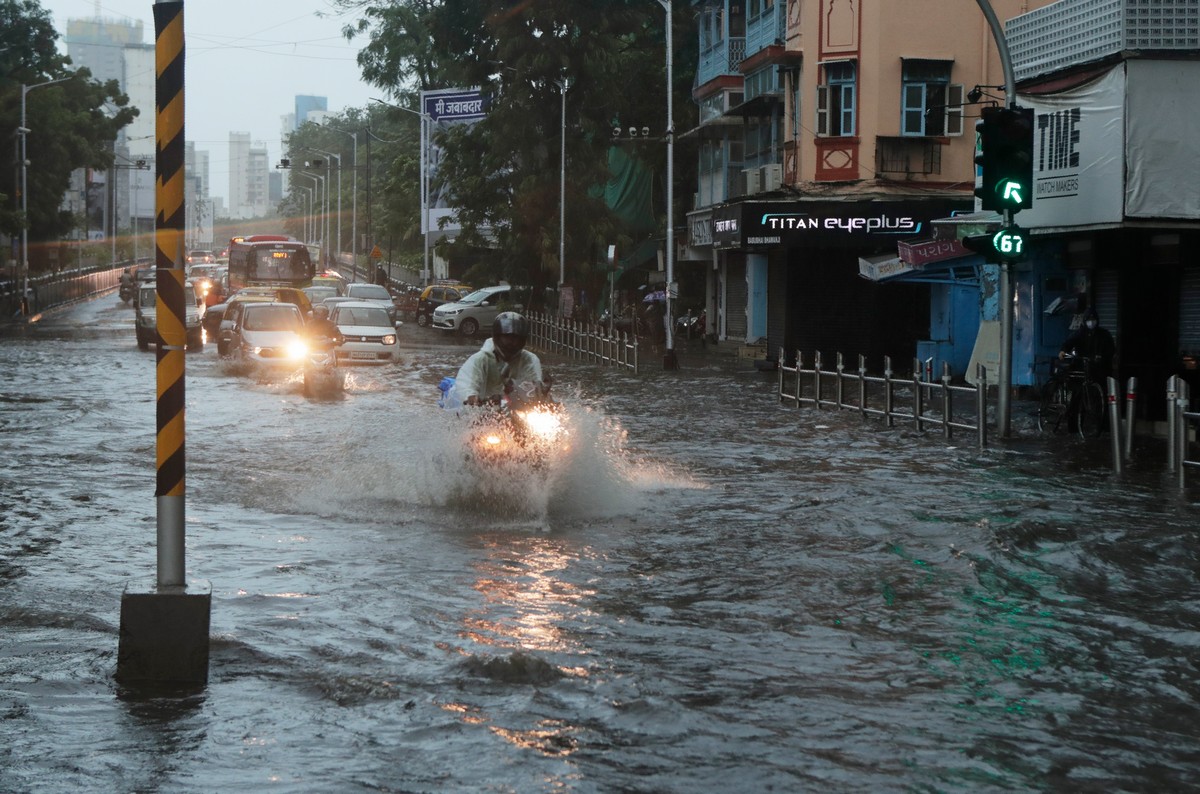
(441, 110)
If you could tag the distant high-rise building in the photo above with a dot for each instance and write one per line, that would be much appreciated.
(239, 166)
(114, 50)
(248, 169)
(306, 105)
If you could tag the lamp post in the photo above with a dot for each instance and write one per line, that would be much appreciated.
(24, 131)
(669, 359)
(354, 198)
(563, 85)
(425, 121)
(306, 196)
(339, 195)
(317, 179)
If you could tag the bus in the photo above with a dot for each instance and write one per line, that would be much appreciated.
(269, 260)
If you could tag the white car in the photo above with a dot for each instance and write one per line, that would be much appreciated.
(371, 337)
(372, 293)
(268, 333)
(146, 315)
(476, 310)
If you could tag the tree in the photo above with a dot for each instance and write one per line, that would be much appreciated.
(505, 171)
(73, 123)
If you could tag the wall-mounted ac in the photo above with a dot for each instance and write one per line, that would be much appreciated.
(752, 181)
(772, 177)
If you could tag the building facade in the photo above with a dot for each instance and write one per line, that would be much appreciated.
(829, 132)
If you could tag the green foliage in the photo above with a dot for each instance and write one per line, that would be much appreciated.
(505, 170)
(72, 123)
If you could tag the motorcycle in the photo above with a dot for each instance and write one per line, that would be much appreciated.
(127, 292)
(322, 375)
(518, 430)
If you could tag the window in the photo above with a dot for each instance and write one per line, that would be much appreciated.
(930, 103)
(835, 100)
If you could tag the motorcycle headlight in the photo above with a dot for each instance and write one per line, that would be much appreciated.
(545, 425)
(297, 349)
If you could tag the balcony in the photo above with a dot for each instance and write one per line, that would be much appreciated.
(766, 29)
(722, 58)
(908, 156)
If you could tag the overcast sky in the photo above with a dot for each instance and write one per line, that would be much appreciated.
(246, 61)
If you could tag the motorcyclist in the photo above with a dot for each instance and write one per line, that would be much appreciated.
(501, 364)
(321, 331)
(126, 289)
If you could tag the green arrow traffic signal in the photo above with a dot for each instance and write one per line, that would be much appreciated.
(1005, 158)
(1013, 158)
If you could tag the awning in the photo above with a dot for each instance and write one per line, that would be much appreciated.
(891, 269)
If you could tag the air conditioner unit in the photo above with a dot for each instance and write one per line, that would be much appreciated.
(772, 177)
(751, 180)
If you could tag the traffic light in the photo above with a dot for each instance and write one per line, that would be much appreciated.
(1006, 245)
(1005, 158)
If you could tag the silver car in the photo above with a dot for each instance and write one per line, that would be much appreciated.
(268, 333)
(476, 310)
(370, 336)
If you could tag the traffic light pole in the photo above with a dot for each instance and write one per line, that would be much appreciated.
(1004, 381)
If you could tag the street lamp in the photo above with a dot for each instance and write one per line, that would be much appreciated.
(306, 196)
(425, 121)
(24, 131)
(669, 359)
(563, 85)
(317, 179)
(354, 198)
(339, 198)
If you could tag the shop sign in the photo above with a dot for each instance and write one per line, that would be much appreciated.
(825, 223)
(923, 252)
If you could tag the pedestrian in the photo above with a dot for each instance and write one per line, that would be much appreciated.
(1092, 342)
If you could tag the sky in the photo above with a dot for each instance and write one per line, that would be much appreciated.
(246, 60)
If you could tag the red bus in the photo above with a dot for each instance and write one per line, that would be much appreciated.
(269, 260)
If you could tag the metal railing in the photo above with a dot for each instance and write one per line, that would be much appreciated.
(57, 289)
(584, 341)
(1181, 427)
(929, 403)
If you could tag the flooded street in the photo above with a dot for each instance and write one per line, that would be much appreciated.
(707, 592)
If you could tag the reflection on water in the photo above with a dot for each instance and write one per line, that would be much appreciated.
(739, 597)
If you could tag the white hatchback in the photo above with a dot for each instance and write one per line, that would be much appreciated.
(371, 337)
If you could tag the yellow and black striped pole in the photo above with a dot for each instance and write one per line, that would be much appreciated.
(172, 318)
(164, 627)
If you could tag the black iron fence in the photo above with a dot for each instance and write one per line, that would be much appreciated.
(914, 398)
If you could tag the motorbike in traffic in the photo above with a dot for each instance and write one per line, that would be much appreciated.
(127, 292)
(523, 431)
(322, 375)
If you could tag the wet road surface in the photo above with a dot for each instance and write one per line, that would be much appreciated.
(707, 592)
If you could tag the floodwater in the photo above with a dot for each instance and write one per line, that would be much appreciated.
(708, 591)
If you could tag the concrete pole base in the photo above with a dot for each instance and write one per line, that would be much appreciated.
(164, 634)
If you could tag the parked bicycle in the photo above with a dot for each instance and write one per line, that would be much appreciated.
(1072, 401)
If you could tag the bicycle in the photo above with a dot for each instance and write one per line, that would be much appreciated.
(1071, 401)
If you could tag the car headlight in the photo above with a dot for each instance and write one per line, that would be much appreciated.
(389, 340)
(450, 312)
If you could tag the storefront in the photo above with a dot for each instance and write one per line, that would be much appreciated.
(791, 274)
